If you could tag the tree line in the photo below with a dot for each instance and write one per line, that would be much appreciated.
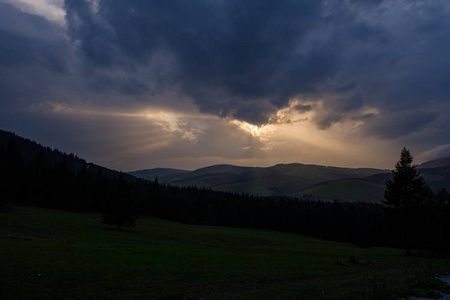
(120, 199)
(418, 218)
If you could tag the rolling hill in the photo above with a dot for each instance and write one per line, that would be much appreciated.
(281, 179)
(345, 190)
(298, 180)
(29, 150)
(371, 188)
(436, 163)
(157, 173)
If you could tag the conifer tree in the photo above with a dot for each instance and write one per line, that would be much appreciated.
(407, 189)
(406, 199)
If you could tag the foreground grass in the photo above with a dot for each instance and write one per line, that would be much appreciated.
(50, 254)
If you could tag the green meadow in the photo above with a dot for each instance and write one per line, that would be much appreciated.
(52, 254)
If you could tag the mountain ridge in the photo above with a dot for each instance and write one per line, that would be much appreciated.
(309, 181)
(30, 150)
(276, 180)
(435, 163)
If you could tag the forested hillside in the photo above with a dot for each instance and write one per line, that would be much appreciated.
(32, 152)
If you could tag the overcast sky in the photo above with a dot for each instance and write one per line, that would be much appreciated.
(132, 84)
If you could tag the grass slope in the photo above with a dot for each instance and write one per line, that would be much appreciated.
(50, 254)
(151, 174)
(281, 179)
(259, 186)
(347, 190)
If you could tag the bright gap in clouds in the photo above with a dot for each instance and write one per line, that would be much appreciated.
(250, 128)
(188, 124)
(149, 137)
(293, 136)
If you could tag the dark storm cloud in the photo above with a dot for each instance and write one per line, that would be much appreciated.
(335, 111)
(346, 87)
(324, 121)
(303, 108)
(399, 124)
(34, 53)
(246, 59)
(348, 104)
(30, 40)
(226, 54)
(241, 59)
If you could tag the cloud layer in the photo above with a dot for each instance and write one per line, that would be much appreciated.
(377, 69)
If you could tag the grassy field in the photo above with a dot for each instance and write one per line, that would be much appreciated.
(348, 190)
(51, 254)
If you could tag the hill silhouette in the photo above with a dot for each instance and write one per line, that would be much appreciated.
(299, 180)
(436, 163)
(281, 179)
(30, 150)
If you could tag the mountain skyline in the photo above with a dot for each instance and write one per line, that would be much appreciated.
(144, 84)
(304, 181)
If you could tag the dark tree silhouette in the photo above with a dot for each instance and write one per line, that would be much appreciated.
(12, 169)
(407, 198)
(121, 209)
(440, 220)
(2, 177)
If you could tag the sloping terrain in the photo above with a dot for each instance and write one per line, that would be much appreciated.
(51, 254)
(437, 178)
(30, 150)
(436, 163)
(282, 179)
(371, 188)
(152, 174)
(345, 190)
(298, 180)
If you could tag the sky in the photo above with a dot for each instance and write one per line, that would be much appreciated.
(132, 84)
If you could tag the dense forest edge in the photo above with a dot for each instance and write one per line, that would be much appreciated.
(31, 174)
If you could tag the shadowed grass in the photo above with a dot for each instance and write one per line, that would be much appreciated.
(346, 189)
(50, 254)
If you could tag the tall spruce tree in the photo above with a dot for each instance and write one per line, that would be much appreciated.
(406, 199)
